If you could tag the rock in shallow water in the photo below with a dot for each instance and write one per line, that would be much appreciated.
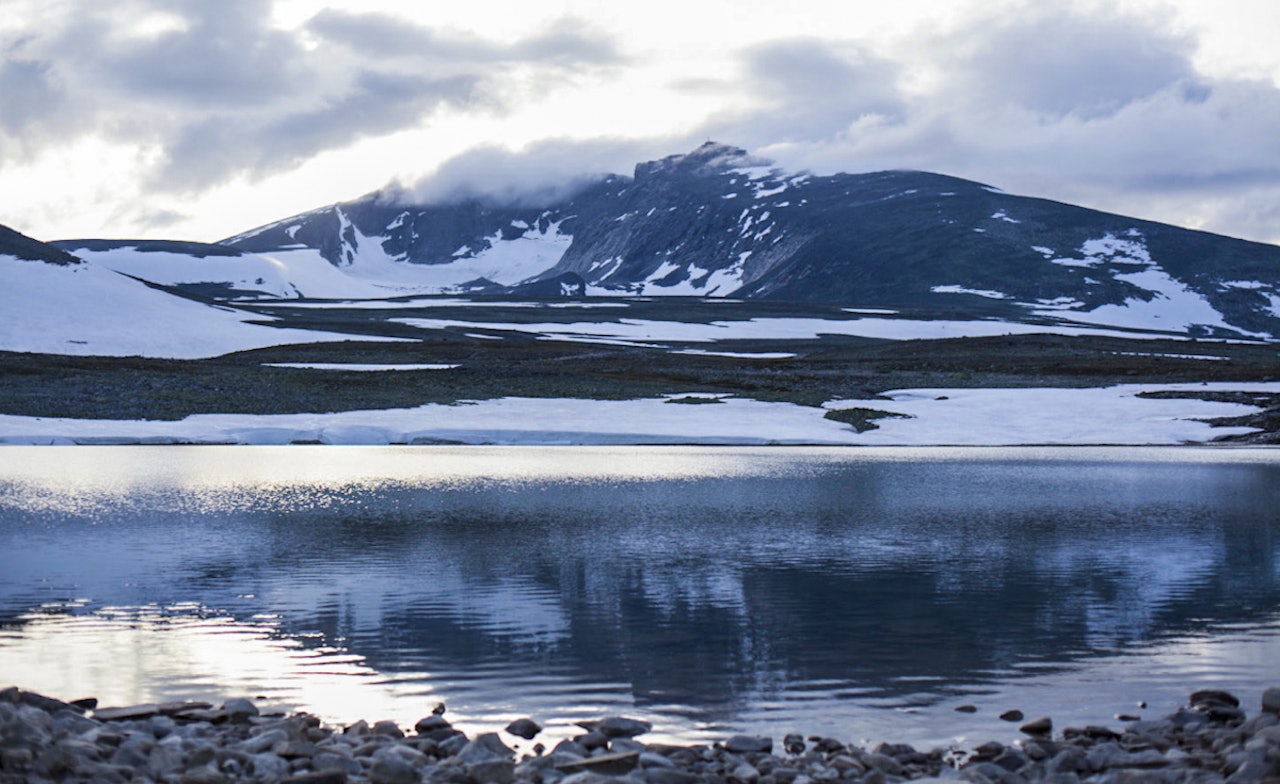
(617, 727)
(745, 744)
(524, 728)
(1271, 701)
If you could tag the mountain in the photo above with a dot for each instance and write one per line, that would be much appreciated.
(717, 222)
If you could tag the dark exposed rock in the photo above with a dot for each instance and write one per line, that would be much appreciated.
(793, 743)
(617, 727)
(1011, 715)
(745, 744)
(240, 709)
(524, 728)
(1211, 698)
(1271, 701)
(611, 764)
(127, 713)
(1036, 727)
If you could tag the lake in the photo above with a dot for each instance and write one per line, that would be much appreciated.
(858, 593)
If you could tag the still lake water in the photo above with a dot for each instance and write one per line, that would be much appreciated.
(862, 594)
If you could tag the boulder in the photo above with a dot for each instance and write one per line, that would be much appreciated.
(745, 744)
(524, 728)
(617, 727)
(1271, 701)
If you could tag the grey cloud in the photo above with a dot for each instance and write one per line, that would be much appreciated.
(1102, 110)
(380, 36)
(203, 152)
(35, 108)
(226, 94)
(808, 90)
(226, 56)
(28, 93)
(1058, 61)
(546, 170)
(569, 42)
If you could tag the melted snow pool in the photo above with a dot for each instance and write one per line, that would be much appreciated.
(863, 594)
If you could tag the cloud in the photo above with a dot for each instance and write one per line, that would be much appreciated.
(539, 173)
(1102, 108)
(806, 89)
(1055, 61)
(384, 37)
(218, 92)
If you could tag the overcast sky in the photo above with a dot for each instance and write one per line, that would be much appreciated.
(198, 119)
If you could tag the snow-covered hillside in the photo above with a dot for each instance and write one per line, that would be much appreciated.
(87, 309)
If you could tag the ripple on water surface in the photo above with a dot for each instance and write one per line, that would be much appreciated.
(860, 593)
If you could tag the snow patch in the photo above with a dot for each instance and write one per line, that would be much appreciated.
(651, 333)
(1170, 356)
(735, 354)
(89, 310)
(953, 289)
(354, 366)
(1107, 249)
(253, 274)
(939, 416)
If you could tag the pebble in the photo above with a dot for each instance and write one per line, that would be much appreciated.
(1211, 741)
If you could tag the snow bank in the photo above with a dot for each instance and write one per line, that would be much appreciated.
(1111, 415)
(644, 331)
(355, 366)
(1006, 417)
(86, 309)
(245, 273)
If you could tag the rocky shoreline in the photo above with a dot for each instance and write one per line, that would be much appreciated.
(43, 739)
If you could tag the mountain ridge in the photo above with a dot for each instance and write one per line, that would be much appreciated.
(719, 222)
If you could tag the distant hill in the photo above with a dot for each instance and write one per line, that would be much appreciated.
(20, 246)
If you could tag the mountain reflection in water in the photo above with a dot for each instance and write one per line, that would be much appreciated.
(713, 589)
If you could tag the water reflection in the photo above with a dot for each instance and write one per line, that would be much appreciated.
(711, 589)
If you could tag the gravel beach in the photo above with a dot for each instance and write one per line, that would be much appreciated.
(1213, 739)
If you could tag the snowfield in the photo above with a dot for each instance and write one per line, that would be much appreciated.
(1170, 304)
(89, 310)
(643, 332)
(246, 273)
(930, 417)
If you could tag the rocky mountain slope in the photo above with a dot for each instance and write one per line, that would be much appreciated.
(718, 223)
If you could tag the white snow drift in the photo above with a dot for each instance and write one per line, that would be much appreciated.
(86, 309)
(1112, 415)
